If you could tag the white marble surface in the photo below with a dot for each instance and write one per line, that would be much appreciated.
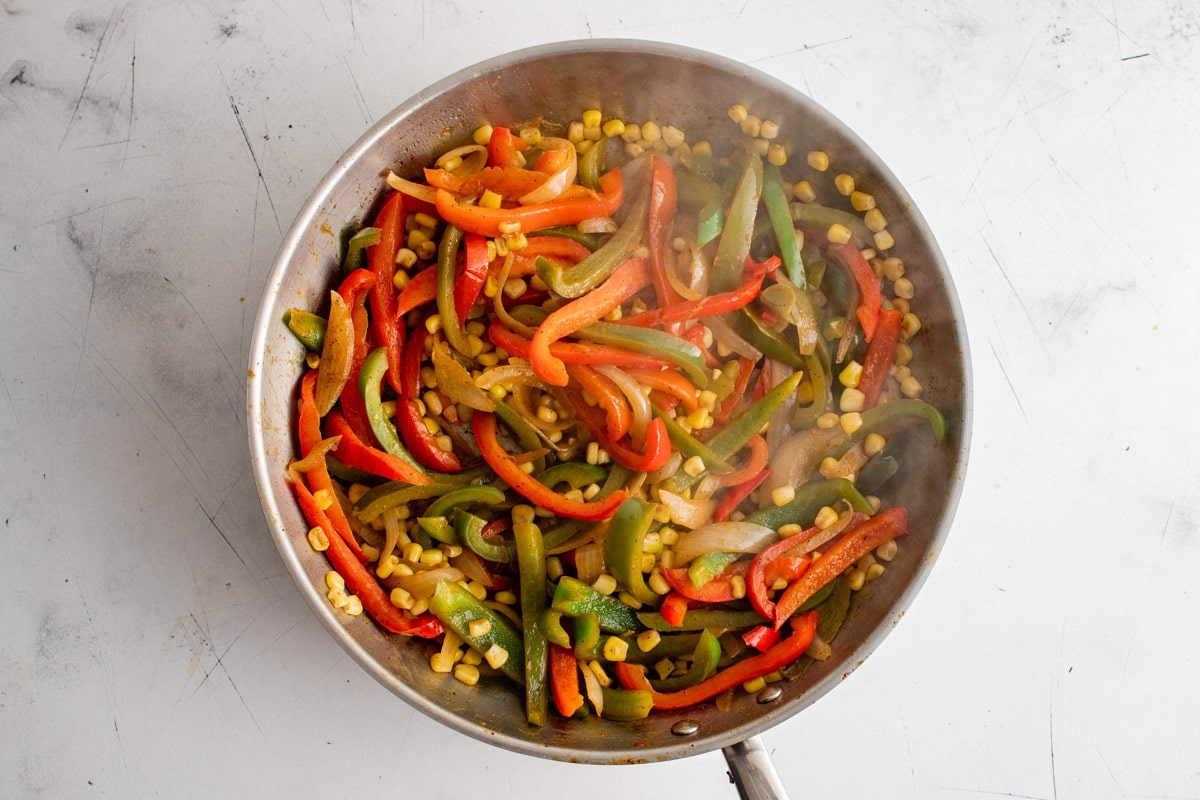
(153, 153)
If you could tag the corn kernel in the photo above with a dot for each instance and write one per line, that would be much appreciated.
(412, 552)
(318, 539)
(856, 579)
(612, 128)
(338, 597)
(751, 125)
(406, 258)
(657, 583)
(702, 148)
(605, 584)
(441, 663)
(433, 324)
(804, 191)
(904, 288)
(844, 184)
(737, 587)
(768, 129)
(818, 160)
(651, 132)
(490, 199)
(738, 112)
(861, 201)
(884, 240)
(851, 421)
(509, 227)
(782, 495)
(777, 154)
(851, 375)
(419, 606)
(354, 606)
(401, 598)
(693, 466)
(910, 387)
(495, 656)
(531, 136)
(482, 134)
(754, 685)
(875, 220)
(615, 648)
(887, 551)
(852, 400)
(479, 627)
(838, 233)
(910, 325)
(875, 571)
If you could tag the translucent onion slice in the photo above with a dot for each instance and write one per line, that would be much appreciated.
(420, 191)
(638, 402)
(466, 160)
(598, 225)
(688, 513)
(793, 461)
(728, 337)
(723, 537)
(592, 687)
(422, 584)
(456, 383)
(589, 561)
(827, 535)
(558, 181)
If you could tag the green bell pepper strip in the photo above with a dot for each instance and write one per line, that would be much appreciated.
(707, 566)
(447, 262)
(749, 325)
(818, 216)
(580, 279)
(587, 635)
(781, 221)
(823, 594)
(623, 547)
(698, 619)
(370, 375)
(591, 164)
(649, 341)
(589, 240)
(626, 705)
(704, 664)
(526, 435)
(355, 245)
(670, 645)
(703, 193)
(470, 532)
(467, 495)
(734, 245)
(818, 375)
(551, 623)
(722, 385)
(576, 474)
(457, 608)
(703, 165)
(808, 501)
(734, 436)
(349, 475)
(575, 598)
(531, 567)
(894, 412)
(689, 445)
(307, 327)
(439, 529)
(396, 493)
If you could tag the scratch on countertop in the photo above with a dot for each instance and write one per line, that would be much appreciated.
(88, 78)
(237, 115)
(1008, 380)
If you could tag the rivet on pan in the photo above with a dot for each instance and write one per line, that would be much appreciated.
(770, 694)
(685, 727)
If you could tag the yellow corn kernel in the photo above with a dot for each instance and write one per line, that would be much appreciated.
(514, 288)
(401, 598)
(875, 571)
(338, 597)
(851, 421)
(738, 112)
(509, 227)
(651, 132)
(419, 606)
(827, 420)
(472, 658)
(615, 648)
(844, 184)
(838, 233)
(856, 579)
(432, 557)
(490, 199)
(648, 640)
(825, 518)
(910, 387)
(910, 325)
(482, 134)
(893, 268)
(372, 553)
(861, 201)
(354, 606)
(479, 627)
(318, 539)
(313, 360)
(852, 400)
(693, 466)
(495, 656)
(887, 551)
(751, 125)
(875, 220)
(441, 662)
(412, 552)
(782, 495)
(768, 129)
(754, 685)
(433, 324)
(737, 587)
(506, 597)
(777, 154)
(591, 117)
(598, 670)
(884, 240)
(605, 584)
(657, 583)
(827, 467)
(903, 287)
(531, 136)
(334, 580)
(406, 258)
(673, 137)
(851, 375)
(873, 443)
(612, 128)
(466, 673)
(804, 191)
(818, 160)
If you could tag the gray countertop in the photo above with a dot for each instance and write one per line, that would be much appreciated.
(154, 153)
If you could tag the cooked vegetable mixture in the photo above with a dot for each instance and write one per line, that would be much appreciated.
(609, 413)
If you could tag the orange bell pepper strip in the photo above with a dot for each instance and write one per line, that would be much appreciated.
(511, 183)
(309, 430)
(564, 681)
(567, 210)
(670, 382)
(381, 261)
(656, 453)
(674, 608)
(483, 425)
(757, 462)
(628, 279)
(685, 311)
(616, 408)
(359, 581)
(355, 290)
(420, 289)
(880, 354)
(573, 352)
(354, 452)
(779, 655)
(854, 544)
(851, 258)
(503, 148)
(758, 583)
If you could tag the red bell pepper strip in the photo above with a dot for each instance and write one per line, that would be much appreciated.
(756, 464)
(670, 382)
(674, 608)
(573, 352)
(381, 261)
(851, 258)
(564, 681)
(736, 494)
(730, 403)
(503, 148)
(421, 444)
(718, 590)
(761, 637)
(420, 289)
(779, 655)
(617, 413)
(354, 290)
(658, 442)
(854, 544)
(511, 183)
(880, 354)
(474, 273)
(663, 401)
(758, 583)
(483, 425)
(566, 210)
(628, 279)
(695, 335)
(355, 453)
(309, 429)
(664, 200)
(684, 311)
(359, 581)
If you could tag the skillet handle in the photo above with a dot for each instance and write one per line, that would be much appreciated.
(752, 772)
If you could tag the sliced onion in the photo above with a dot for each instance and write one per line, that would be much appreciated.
(638, 402)
(473, 159)
(598, 225)
(728, 337)
(723, 537)
(423, 584)
(455, 382)
(589, 561)
(498, 302)
(420, 191)
(780, 428)
(558, 181)
(793, 461)
(707, 487)
(685, 512)
(669, 469)
(393, 526)
(820, 537)
(511, 374)
(850, 462)
(591, 686)
(472, 567)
